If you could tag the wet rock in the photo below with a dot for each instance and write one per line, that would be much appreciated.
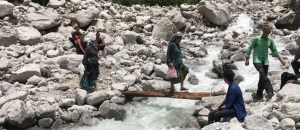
(292, 48)
(86, 119)
(112, 110)
(239, 56)
(29, 35)
(190, 122)
(193, 80)
(163, 29)
(6, 8)
(218, 90)
(256, 122)
(118, 100)
(18, 114)
(216, 13)
(45, 122)
(100, 96)
(156, 85)
(58, 123)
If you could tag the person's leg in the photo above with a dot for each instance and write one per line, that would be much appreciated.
(211, 117)
(182, 76)
(172, 87)
(267, 83)
(260, 88)
(224, 113)
(296, 66)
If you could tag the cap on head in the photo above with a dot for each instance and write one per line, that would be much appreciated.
(178, 35)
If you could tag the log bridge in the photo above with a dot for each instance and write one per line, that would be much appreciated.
(181, 95)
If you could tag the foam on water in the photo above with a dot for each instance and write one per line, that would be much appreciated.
(169, 114)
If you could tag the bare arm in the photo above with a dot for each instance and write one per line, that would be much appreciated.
(80, 46)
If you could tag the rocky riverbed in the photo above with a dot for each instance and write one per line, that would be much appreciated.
(40, 71)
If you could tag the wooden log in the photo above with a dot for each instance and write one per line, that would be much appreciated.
(182, 95)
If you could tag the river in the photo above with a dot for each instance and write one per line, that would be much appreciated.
(169, 114)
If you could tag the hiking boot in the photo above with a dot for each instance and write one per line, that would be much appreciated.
(269, 96)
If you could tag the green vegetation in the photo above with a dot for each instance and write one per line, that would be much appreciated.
(155, 2)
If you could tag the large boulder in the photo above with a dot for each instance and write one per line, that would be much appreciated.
(212, 101)
(156, 85)
(163, 29)
(8, 38)
(43, 20)
(45, 110)
(18, 114)
(21, 95)
(112, 111)
(289, 90)
(292, 48)
(27, 71)
(54, 37)
(129, 37)
(161, 70)
(215, 13)
(148, 68)
(56, 3)
(69, 62)
(96, 98)
(130, 79)
(5, 63)
(288, 18)
(291, 110)
(256, 122)
(85, 17)
(6, 8)
(29, 35)
(287, 124)
(80, 96)
(99, 24)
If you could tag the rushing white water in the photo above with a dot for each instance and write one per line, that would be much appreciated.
(169, 114)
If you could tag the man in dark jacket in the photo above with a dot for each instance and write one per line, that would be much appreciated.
(233, 104)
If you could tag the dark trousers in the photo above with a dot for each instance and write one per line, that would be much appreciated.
(215, 116)
(264, 82)
(296, 67)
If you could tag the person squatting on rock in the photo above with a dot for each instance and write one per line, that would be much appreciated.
(233, 105)
(260, 45)
(91, 65)
(174, 59)
(296, 62)
(78, 41)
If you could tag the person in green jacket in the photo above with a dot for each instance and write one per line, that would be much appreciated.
(260, 45)
(174, 59)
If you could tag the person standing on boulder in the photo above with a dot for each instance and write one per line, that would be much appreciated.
(174, 59)
(233, 105)
(260, 45)
(91, 65)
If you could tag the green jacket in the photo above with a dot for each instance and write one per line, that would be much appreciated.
(260, 47)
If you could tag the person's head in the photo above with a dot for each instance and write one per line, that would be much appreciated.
(266, 29)
(177, 37)
(97, 34)
(228, 75)
(77, 28)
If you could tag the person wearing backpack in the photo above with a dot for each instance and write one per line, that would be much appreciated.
(260, 45)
